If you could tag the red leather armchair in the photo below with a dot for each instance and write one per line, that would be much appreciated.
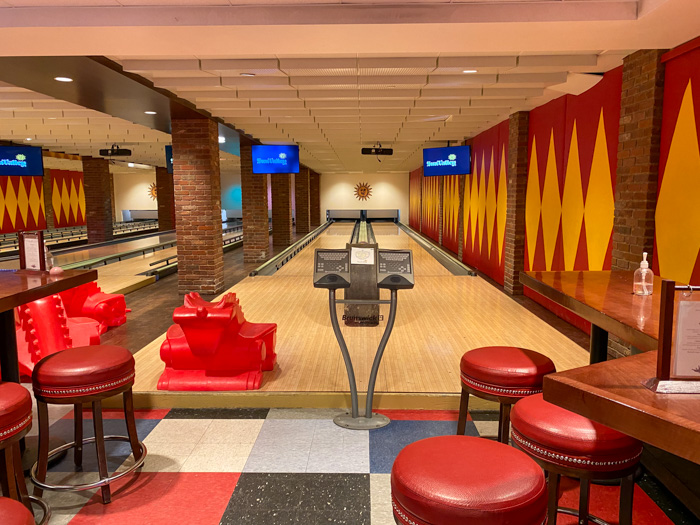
(88, 300)
(213, 347)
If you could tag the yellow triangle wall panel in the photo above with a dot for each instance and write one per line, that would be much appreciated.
(11, 202)
(600, 202)
(490, 204)
(502, 205)
(533, 204)
(677, 210)
(474, 209)
(73, 201)
(65, 200)
(551, 205)
(81, 199)
(34, 201)
(2, 204)
(572, 204)
(56, 202)
(467, 207)
(23, 201)
(482, 204)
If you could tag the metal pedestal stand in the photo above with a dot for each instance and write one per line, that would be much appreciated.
(353, 420)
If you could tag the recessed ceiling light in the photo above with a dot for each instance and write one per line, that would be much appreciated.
(51, 118)
(130, 164)
(247, 74)
(63, 79)
(28, 138)
(150, 112)
(469, 71)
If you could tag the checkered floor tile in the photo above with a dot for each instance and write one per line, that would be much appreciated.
(270, 467)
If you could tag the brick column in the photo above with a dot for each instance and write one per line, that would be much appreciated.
(281, 209)
(256, 228)
(166, 199)
(98, 199)
(197, 192)
(115, 217)
(302, 195)
(514, 261)
(638, 151)
(315, 200)
(48, 204)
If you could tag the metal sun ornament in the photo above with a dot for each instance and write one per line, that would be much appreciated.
(363, 191)
(153, 191)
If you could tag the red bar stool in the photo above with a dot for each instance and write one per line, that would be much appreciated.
(461, 480)
(86, 374)
(12, 512)
(15, 422)
(504, 374)
(564, 443)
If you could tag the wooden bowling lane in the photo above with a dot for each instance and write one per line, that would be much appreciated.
(437, 321)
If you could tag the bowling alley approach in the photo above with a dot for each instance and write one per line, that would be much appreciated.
(362, 262)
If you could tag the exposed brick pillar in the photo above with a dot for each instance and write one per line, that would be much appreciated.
(315, 199)
(302, 194)
(638, 152)
(48, 204)
(281, 209)
(514, 261)
(197, 191)
(256, 228)
(166, 199)
(115, 217)
(98, 199)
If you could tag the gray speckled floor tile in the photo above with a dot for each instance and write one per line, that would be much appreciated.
(380, 492)
(280, 499)
(304, 413)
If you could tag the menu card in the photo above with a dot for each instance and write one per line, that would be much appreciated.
(686, 351)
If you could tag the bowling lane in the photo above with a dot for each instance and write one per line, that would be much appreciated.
(334, 237)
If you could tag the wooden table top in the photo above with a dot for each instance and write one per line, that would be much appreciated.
(23, 286)
(612, 393)
(606, 300)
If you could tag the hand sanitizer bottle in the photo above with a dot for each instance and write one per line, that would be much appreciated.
(643, 278)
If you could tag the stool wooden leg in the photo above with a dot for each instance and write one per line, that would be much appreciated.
(19, 477)
(100, 445)
(78, 431)
(583, 502)
(8, 473)
(552, 497)
(463, 410)
(131, 424)
(43, 455)
(504, 424)
(626, 500)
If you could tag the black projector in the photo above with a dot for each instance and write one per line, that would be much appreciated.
(115, 151)
(377, 151)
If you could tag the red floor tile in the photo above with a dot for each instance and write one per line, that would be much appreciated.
(164, 498)
(115, 413)
(605, 504)
(422, 415)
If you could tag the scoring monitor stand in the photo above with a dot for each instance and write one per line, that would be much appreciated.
(394, 272)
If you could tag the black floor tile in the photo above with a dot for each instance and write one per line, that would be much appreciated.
(484, 415)
(666, 501)
(217, 413)
(281, 499)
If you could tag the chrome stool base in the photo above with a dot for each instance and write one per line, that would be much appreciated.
(87, 486)
(44, 508)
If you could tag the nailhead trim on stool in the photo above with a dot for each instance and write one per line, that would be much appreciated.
(18, 427)
(406, 519)
(531, 447)
(85, 390)
(499, 390)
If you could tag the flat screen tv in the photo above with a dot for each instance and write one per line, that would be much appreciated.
(455, 160)
(169, 158)
(275, 159)
(21, 160)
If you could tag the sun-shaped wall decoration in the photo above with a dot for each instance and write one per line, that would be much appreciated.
(153, 191)
(363, 191)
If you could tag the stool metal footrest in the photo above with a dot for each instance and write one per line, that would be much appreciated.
(87, 486)
(574, 512)
(44, 508)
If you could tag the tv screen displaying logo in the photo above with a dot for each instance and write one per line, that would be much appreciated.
(21, 160)
(456, 160)
(275, 159)
(169, 158)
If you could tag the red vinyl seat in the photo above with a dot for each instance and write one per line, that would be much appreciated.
(85, 370)
(568, 444)
(12, 512)
(15, 410)
(461, 480)
(504, 374)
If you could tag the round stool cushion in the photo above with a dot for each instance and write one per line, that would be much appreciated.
(83, 371)
(505, 370)
(556, 435)
(15, 410)
(14, 513)
(461, 480)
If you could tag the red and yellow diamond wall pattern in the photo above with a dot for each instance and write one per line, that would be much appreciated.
(450, 212)
(570, 196)
(430, 204)
(677, 242)
(21, 204)
(68, 198)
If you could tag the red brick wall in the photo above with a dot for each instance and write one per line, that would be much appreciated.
(303, 201)
(48, 205)
(256, 234)
(197, 187)
(98, 199)
(166, 199)
(281, 209)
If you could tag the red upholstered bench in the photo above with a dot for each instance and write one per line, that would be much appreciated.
(460, 480)
(504, 374)
(80, 375)
(568, 444)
